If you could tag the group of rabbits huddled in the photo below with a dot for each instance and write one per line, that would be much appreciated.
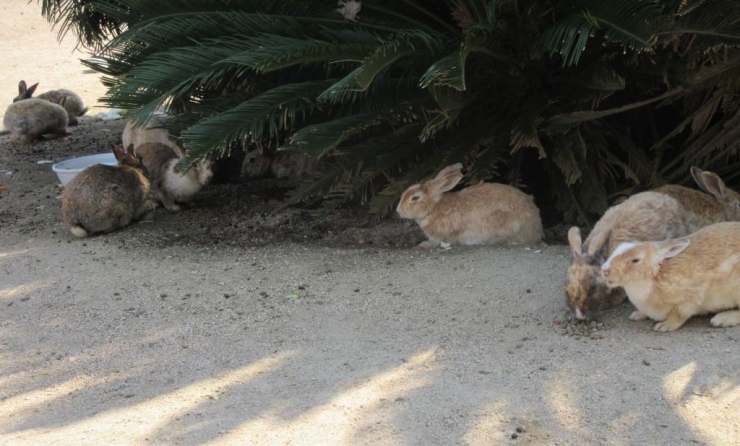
(29, 118)
(103, 198)
(674, 251)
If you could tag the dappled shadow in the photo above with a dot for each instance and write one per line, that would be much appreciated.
(205, 347)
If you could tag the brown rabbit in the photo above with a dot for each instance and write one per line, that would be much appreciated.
(105, 198)
(167, 180)
(151, 132)
(484, 213)
(718, 204)
(672, 280)
(260, 163)
(644, 216)
(72, 104)
(31, 119)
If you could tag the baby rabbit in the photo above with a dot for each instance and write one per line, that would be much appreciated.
(105, 198)
(703, 209)
(282, 164)
(73, 102)
(33, 118)
(670, 281)
(643, 216)
(168, 181)
(483, 213)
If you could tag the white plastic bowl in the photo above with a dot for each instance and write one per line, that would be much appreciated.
(68, 169)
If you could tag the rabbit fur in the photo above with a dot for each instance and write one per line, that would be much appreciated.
(73, 104)
(282, 164)
(168, 181)
(105, 198)
(486, 213)
(643, 216)
(716, 204)
(151, 132)
(670, 281)
(32, 118)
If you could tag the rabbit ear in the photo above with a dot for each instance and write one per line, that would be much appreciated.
(22, 87)
(574, 240)
(455, 168)
(117, 151)
(440, 185)
(713, 184)
(597, 246)
(31, 90)
(671, 248)
(696, 173)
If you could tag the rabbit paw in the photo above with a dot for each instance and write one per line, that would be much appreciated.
(638, 316)
(426, 244)
(173, 207)
(663, 327)
(726, 319)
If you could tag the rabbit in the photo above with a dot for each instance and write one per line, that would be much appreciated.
(32, 118)
(73, 104)
(642, 217)
(105, 198)
(280, 164)
(672, 280)
(167, 180)
(702, 208)
(151, 132)
(484, 213)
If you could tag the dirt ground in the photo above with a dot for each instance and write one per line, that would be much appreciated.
(228, 324)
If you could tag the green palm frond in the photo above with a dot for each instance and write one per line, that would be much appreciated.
(631, 24)
(320, 139)
(266, 115)
(614, 96)
(267, 52)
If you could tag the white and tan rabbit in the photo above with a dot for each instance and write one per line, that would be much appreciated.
(72, 104)
(151, 132)
(480, 214)
(31, 119)
(670, 281)
(105, 198)
(718, 204)
(282, 164)
(170, 183)
(643, 216)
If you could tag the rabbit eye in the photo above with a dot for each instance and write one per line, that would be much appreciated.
(252, 160)
(635, 261)
(415, 198)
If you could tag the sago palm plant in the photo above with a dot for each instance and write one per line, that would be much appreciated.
(576, 99)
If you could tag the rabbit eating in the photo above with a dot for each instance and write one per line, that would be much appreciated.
(643, 216)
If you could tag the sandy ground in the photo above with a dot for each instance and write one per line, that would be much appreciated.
(187, 329)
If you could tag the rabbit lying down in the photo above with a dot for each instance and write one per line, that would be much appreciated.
(104, 198)
(486, 213)
(31, 119)
(72, 104)
(672, 280)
